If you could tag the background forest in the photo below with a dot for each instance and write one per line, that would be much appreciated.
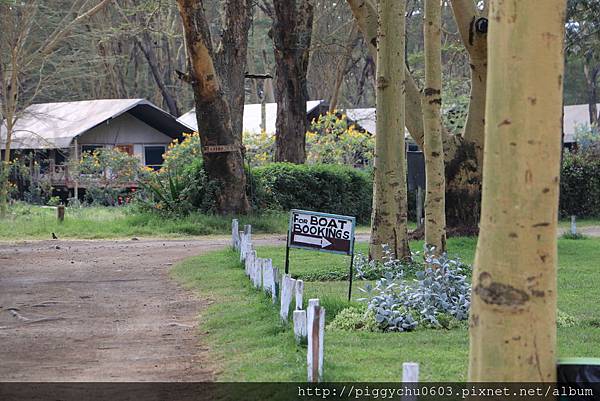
(134, 48)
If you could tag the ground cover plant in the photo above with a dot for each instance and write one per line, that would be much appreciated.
(240, 318)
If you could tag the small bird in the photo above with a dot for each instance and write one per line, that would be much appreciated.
(54, 236)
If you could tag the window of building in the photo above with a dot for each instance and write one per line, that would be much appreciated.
(125, 149)
(90, 148)
(153, 156)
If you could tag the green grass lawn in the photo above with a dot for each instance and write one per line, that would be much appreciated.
(37, 222)
(250, 344)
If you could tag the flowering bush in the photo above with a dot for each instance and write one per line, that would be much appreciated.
(259, 148)
(332, 140)
(106, 173)
(182, 154)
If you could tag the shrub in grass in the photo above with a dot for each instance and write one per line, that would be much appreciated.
(439, 292)
(327, 188)
(570, 235)
(563, 319)
(354, 319)
(580, 184)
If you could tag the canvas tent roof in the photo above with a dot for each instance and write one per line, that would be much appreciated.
(575, 116)
(55, 125)
(363, 117)
(252, 116)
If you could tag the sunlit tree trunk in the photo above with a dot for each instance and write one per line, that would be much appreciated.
(388, 222)
(461, 153)
(213, 113)
(435, 212)
(512, 322)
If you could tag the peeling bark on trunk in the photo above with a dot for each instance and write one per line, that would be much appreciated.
(213, 112)
(512, 322)
(463, 171)
(389, 219)
(435, 217)
(292, 31)
(231, 58)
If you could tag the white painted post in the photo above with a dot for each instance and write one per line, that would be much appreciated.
(248, 263)
(258, 272)
(267, 274)
(573, 225)
(299, 293)
(315, 325)
(248, 231)
(287, 291)
(410, 372)
(243, 242)
(410, 375)
(235, 233)
(299, 317)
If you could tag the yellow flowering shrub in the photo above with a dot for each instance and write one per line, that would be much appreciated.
(332, 140)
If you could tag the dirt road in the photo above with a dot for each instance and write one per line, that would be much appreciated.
(104, 310)
(99, 311)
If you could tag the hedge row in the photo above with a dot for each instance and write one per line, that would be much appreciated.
(346, 190)
(322, 187)
(580, 185)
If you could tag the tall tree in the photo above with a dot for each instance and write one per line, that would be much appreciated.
(462, 153)
(24, 60)
(583, 42)
(291, 32)
(389, 219)
(213, 110)
(435, 210)
(513, 326)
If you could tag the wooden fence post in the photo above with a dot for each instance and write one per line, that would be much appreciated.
(410, 375)
(242, 247)
(287, 291)
(258, 272)
(248, 231)
(299, 317)
(315, 325)
(267, 276)
(60, 213)
(248, 262)
(276, 284)
(235, 234)
(299, 293)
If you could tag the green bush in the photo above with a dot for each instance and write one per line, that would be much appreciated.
(354, 319)
(580, 185)
(326, 188)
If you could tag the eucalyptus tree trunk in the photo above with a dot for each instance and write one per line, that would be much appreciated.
(389, 218)
(292, 31)
(513, 311)
(461, 153)
(213, 112)
(435, 207)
